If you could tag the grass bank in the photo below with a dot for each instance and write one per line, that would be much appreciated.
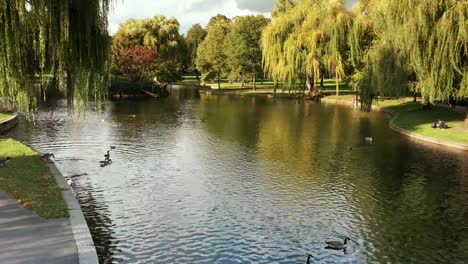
(4, 117)
(413, 118)
(267, 87)
(27, 178)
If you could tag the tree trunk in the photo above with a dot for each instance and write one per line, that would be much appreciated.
(242, 80)
(337, 88)
(254, 84)
(274, 88)
(321, 81)
(219, 83)
(309, 84)
(427, 106)
(466, 120)
(414, 98)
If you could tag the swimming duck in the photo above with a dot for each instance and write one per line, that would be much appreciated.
(107, 156)
(112, 147)
(3, 162)
(47, 156)
(369, 139)
(337, 245)
(105, 162)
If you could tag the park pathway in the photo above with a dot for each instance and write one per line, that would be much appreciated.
(27, 238)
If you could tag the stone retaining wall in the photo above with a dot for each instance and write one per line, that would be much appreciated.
(9, 124)
(84, 242)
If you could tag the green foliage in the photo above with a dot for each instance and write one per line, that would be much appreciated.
(306, 39)
(243, 49)
(195, 35)
(419, 45)
(211, 56)
(67, 39)
(159, 34)
(168, 71)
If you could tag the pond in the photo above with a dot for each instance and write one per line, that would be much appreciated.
(219, 179)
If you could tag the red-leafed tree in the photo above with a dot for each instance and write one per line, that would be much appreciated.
(139, 63)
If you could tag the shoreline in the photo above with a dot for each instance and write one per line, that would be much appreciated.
(86, 249)
(394, 116)
(8, 124)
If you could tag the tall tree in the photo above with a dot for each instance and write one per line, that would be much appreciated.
(160, 34)
(195, 35)
(67, 39)
(306, 38)
(211, 56)
(243, 47)
(421, 38)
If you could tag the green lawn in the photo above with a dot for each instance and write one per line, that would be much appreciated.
(4, 117)
(413, 118)
(329, 86)
(189, 77)
(27, 178)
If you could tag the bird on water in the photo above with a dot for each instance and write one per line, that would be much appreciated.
(47, 156)
(337, 245)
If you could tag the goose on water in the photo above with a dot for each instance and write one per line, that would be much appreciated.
(47, 156)
(3, 162)
(337, 245)
(308, 259)
(105, 162)
(107, 156)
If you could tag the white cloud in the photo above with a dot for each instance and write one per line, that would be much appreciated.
(187, 12)
(258, 5)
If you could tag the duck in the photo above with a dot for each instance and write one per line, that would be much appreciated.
(105, 162)
(3, 162)
(112, 147)
(107, 156)
(369, 139)
(337, 245)
(308, 259)
(47, 156)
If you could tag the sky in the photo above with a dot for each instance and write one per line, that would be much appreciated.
(187, 12)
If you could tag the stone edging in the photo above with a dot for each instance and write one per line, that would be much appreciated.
(405, 132)
(8, 124)
(83, 240)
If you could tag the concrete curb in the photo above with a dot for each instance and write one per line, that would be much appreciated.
(405, 132)
(84, 242)
(8, 124)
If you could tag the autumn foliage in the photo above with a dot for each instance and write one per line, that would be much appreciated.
(139, 63)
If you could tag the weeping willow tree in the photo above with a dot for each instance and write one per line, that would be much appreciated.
(66, 39)
(306, 39)
(420, 45)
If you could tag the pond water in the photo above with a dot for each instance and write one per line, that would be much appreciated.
(207, 179)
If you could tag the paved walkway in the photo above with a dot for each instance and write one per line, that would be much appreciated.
(27, 238)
